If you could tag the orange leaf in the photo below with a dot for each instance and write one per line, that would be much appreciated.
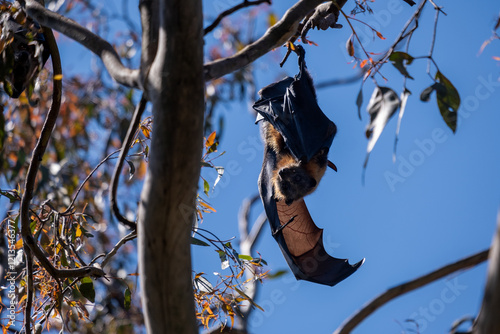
(380, 35)
(210, 140)
(363, 63)
(146, 132)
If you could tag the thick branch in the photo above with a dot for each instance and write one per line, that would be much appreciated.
(150, 28)
(274, 37)
(399, 290)
(91, 41)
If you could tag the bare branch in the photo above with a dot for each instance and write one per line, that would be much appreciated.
(127, 142)
(33, 167)
(245, 3)
(131, 236)
(487, 320)
(401, 289)
(91, 41)
(274, 37)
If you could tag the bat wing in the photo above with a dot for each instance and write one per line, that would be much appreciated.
(290, 105)
(300, 240)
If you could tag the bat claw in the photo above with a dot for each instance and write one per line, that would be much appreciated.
(332, 165)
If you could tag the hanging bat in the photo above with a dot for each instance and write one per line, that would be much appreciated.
(25, 53)
(297, 136)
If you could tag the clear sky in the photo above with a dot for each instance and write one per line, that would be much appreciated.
(442, 207)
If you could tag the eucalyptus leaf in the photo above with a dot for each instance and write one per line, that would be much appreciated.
(383, 104)
(448, 101)
(397, 59)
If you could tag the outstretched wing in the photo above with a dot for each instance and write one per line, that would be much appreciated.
(300, 240)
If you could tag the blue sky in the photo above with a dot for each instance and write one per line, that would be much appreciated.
(442, 208)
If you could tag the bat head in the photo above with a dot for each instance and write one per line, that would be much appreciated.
(294, 183)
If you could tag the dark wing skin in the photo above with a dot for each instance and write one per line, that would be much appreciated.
(300, 240)
(290, 106)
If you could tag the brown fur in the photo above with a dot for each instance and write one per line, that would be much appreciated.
(293, 179)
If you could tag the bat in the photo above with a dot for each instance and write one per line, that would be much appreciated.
(22, 59)
(297, 136)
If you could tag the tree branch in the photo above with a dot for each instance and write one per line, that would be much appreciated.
(127, 142)
(104, 50)
(245, 3)
(399, 290)
(487, 320)
(274, 37)
(29, 244)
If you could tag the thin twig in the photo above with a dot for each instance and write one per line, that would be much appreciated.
(433, 40)
(131, 236)
(401, 289)
(70, 206)
(227, 12)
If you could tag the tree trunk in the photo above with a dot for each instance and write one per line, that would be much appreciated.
(175, 87)
(487, 322)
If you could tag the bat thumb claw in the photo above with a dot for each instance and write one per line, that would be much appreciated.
(332, 165)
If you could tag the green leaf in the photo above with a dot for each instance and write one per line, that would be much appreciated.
(425, 96)
(245, 257)
(397, 59)
(87, 289)
(11, 195)
(244, 295)
(224, 262)
(127, 298)
(198, 242)
(448, 101)
(206, 187)
(277, 274)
